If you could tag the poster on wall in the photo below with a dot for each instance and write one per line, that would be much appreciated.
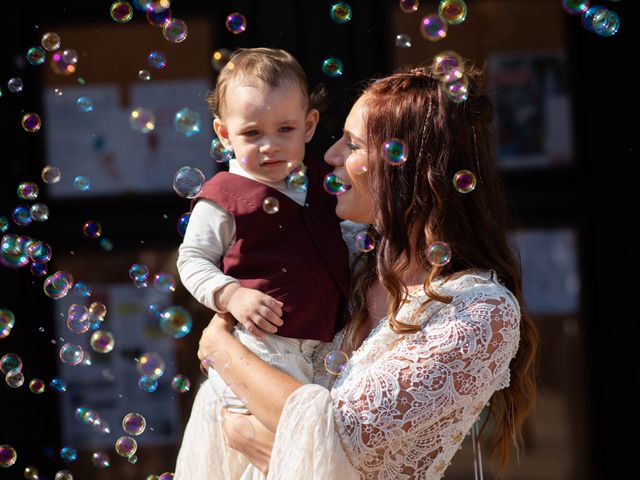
(532, 109)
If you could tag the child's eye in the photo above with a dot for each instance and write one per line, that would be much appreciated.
(251, 133)
(286, 129)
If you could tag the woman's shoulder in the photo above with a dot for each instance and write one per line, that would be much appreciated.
(476, 282)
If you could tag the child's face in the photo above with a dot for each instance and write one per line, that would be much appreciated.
(267, 128)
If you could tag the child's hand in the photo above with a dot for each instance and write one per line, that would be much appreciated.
(257, 312)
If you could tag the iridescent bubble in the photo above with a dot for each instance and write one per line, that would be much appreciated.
(92, 229)
(68, 454)
(7, 321)
(180, 384)
(36, 386)
(394, 152)
(151, 365)
(409, 6)
(188, 181)
(175, 30)
(144, 75)
(271, 205)
(4, 224)
(176, 321)
(447, 62)
(36, 56)
(183, 222)
(332, 67)
(28, 191)
(219, 152)
(575, 7)
(81, 183)
(187, 122)
(433, 27)
(58, 385)
(71, 354)
(148, 384)
(60, 66)
(126, 446)
(14, 379)
(604, 22)
(78, 320)
(464, 181)
(100, 460)
(31, 122)
(98, 309)
(10, 362)
(64, 475)
(335, 185)
(31, 473)
(164, 282)
(454, 12)
(158, 17)
(50, 41)
(336, 361)
(51, 174)
(297, 181)
(8, 456)
(236, 23)
(152, 477)
(142, 120)
(134, 423)
(21, 215)
(39, 212)
(403, 40)
(439, 254)
(121, 12)
(456, 87)
(58, 285)
(14, 253)
(364, 241)
(84, 104)
(157, 60)
(39, 251)
(220, 58)
(341, 12)
(106, 244)
(15, 85)
(138, 272)
(57, 92)
(82, 289)
(102, 341)
(169, 475)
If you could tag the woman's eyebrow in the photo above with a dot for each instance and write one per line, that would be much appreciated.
(353, 137)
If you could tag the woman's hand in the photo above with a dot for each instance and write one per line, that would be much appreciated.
(248, 436)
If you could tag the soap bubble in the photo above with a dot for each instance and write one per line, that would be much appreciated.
(236, 23)
(188, 181)
(134, 423)
(175, 30)
(31, 122)
(341, 12)
(439, 254)
(50, 41)
(336, 361)
(121, 12)
(142, 120)
(36, 55)
(271, 205)
(51, 174)
(187, 122)
(433, 28)
(332, 67)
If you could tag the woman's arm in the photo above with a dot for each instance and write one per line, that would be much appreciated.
(264, 388)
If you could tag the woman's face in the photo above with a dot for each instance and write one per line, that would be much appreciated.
(349, 158)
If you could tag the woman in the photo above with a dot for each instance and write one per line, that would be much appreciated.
(430, 340)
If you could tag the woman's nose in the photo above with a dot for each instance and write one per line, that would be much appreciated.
(333, 155)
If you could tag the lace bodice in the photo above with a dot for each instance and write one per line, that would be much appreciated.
(402, 409)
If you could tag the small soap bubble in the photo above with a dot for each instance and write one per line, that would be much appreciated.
(21, 215)
(98, 309)
(102, 341)
(188, 181)
(297, 181)
(92, 229)
(332, 67)
(364, 241)
(81, 183)
(456, 87)
(142, 120)
(157, 60)
(164, 282)
(169, 475)
(8, 456)
(138, 272)
(101, 460)
(14, 379)
(409, 6)
(84, 104)
(13, 252)
(4, 224)
(126, 446)
(403, 40)
(39, 212)
(51, 174)
(134, 423)
(7, 321)
(335, 362)
(341, 12)
(180, 384)
(58, 285)
(15, 85)
(148, 384)
(36, 385)
(70, 56)
(176, 321)
(219, 152)
(106, 244)
(121, 12)
(604, 22)
(60, 66)
(71, 354)
(50, 41)
(64, 475)
(439, 254)
(39, 251)
(150, 364)
(31, 122)
(271, 205)
(68, 454)
(395, 152)
(28, 191)
(10, 362)
(433, 27)
(58, 385)
(464, 181)
(335, 185)
(31, 473)
(36, 56)
(447, 62)
(187, 122)
(575, 7)
(220, 58)
(183, 222)
(144, 75)
(454, 12)
(157, 17)
(82, 289)
(175, 30)
(236, 23)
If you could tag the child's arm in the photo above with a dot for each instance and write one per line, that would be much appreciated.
(259, 313)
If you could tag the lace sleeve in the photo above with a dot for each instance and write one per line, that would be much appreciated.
(420, 396)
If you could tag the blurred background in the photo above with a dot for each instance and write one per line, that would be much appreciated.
(95, 185)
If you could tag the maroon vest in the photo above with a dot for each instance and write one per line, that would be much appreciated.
(296, 255)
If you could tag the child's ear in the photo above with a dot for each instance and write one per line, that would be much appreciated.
(222, 132)
(310, 124)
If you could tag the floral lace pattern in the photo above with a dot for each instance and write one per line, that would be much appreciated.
(402, 409)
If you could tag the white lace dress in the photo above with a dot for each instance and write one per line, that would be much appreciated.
(401, 408)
